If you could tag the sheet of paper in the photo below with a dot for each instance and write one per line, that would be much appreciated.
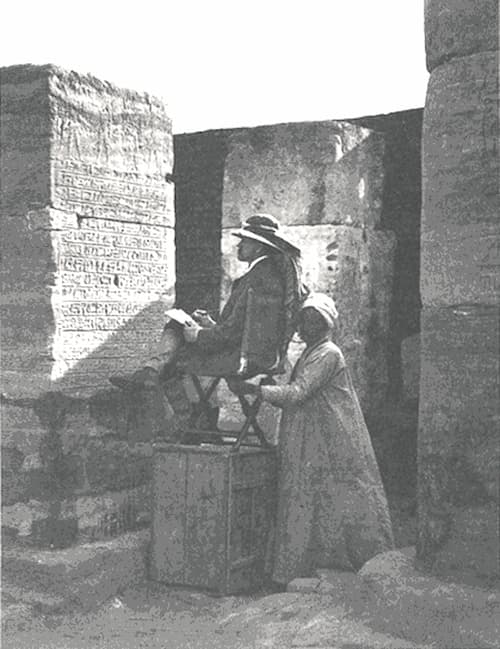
(179, 315)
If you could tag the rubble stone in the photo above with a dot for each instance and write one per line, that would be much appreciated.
(303, 585)
(395, 579)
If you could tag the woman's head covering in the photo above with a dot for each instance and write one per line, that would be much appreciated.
(264, 229)
(324, 305)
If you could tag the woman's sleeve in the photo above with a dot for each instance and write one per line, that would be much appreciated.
(317, 371)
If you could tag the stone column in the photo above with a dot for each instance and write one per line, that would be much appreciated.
(88, 251)
(458, 443)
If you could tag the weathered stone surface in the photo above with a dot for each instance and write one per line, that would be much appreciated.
(401, 208)
(458, 440)
(112, 466)
(97, 516)
(460, 279)
(303, 585)
(199, 175)
(87, 200)
(410, 366)
(456, 28)
(354, 266)
(25, 135)
(304, 174)
(79, 578)
(395, 579)
(13, 481)
(330, 627)
(336, 582)
(460, 263)
(59, 448)
(89, 141)
(19, 517)
(80, 312)
(460, 229)
(88, 247)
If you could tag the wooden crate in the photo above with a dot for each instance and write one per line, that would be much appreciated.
(213, 511)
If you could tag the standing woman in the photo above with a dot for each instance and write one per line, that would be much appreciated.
(332, 508)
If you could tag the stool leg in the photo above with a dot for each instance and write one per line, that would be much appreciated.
(250, 411)
(204, 396)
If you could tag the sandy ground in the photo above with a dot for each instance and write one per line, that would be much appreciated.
(398, 612)
(151, 616)
(351, 616)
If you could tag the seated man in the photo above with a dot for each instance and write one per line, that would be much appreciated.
(207, 348)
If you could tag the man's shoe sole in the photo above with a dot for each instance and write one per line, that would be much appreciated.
(130, 384)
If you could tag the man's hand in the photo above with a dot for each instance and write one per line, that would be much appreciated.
(191, 331)
(203, 318)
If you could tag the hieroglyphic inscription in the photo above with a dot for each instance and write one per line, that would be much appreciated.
(111, 272)
(107, 323)
(95, 192)
(118, 253)
(76, 281)
(110, 266)
(89, 204)
(79, 344)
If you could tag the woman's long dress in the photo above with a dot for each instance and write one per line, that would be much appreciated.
(332, 508)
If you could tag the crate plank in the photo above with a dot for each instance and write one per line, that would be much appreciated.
(168, 529)
(206, 505)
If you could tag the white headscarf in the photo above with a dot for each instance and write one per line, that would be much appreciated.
(324, 305)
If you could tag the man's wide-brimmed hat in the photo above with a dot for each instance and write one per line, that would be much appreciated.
(264, 229)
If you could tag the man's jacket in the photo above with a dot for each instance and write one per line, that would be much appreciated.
(251, 323)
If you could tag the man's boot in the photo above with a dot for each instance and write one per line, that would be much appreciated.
(146, 378)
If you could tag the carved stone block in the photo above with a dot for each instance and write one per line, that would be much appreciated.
(88, 238)
(305, 174)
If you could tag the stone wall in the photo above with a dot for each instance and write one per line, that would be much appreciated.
(199, 173)
(88, 263)
(460, 282)
(401, 206)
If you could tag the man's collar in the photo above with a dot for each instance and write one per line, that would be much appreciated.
(254, 262)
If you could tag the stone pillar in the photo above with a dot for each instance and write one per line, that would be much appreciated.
(323, 181)
(88, 251)
(458, 443)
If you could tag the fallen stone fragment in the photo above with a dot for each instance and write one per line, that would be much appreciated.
(303, 585)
